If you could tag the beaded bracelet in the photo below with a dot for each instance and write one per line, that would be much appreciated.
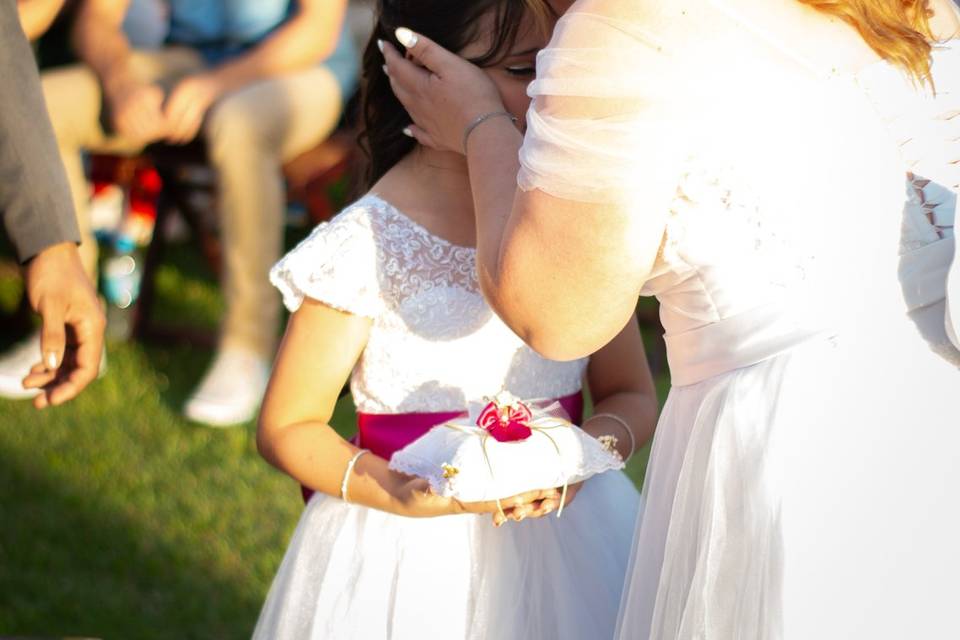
(346, 474)
(622, 423)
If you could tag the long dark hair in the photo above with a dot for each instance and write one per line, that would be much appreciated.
(452, 24)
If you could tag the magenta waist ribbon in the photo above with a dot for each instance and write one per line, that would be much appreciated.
(386, 433)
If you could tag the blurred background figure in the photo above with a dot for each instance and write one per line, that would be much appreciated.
(260, 81)
(36, 16)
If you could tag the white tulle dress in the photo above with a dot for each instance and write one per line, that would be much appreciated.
(355, 573)
(800, 477)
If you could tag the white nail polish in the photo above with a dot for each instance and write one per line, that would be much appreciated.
(386, 71)
(51, 360)
(406, 37)
(407, 131)
(380, 45)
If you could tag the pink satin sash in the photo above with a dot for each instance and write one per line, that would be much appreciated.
(386, 433)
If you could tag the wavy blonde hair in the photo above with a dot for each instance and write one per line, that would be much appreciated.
(898, 30)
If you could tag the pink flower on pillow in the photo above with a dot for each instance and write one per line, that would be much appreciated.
(506, 423)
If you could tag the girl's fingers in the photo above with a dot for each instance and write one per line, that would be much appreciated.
(543, 508)
(519, 514)
(525, 502)
(540, 494)
(536, 509)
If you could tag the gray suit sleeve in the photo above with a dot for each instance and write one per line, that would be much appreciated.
(35, 202)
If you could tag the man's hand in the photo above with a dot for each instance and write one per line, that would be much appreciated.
(188, 104)
(136, 109)
(71, 338)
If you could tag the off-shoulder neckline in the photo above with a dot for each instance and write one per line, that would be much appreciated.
(422, 230)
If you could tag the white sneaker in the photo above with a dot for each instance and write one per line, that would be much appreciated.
(231, 391)
(16, 364)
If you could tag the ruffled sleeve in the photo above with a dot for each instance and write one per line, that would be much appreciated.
(337, 264)
(926, 125)
(605, 123)
(952, 319)
(950, 57)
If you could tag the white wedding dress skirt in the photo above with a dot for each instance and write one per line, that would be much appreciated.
(709, 551)
(357, 573)
(776, 507)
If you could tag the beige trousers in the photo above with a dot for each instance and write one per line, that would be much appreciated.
(249, 133)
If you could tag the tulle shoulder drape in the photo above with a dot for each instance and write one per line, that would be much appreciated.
(606, 121)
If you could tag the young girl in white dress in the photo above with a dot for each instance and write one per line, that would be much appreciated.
(387, 294)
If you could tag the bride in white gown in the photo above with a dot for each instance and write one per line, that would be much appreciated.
(727, 157)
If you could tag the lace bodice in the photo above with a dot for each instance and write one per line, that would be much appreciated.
(434, 342)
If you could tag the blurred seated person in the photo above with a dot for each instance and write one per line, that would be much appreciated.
(262, 81)
(146, 26)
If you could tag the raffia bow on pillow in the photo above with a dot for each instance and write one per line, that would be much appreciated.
(504, 447)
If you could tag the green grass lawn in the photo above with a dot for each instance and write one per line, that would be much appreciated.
(119, 519)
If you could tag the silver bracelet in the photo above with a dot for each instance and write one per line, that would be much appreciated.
(622, 423)
(346, 474)
(476, 122)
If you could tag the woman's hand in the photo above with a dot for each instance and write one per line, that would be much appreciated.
(441, 91)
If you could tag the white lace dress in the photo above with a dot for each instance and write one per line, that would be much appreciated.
(794, 481)
(355, 573)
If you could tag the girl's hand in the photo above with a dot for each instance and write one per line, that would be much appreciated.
(441, 91)
(528, 501)
(537, 508)
(419, 501)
